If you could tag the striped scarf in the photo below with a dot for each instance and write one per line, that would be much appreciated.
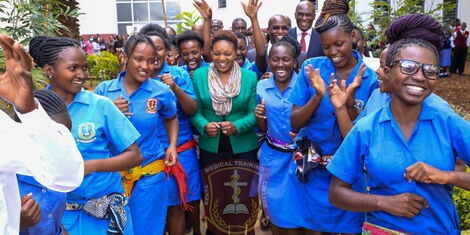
(221, 95)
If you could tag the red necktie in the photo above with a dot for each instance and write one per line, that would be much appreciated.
(303, 45)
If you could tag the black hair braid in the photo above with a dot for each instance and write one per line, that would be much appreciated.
(334, 13)
(288, 42)
(45, 50)
(51, 102)
(134, 40)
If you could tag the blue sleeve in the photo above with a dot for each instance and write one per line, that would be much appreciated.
(301, 93)
(459, 129)
(114, 123)
(258, 92)
(255, 69)
(185, 83)
(168, 105)
(347, 163)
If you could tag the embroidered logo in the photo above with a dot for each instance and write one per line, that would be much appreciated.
(152, 105)
(359, 105)
(86, 132)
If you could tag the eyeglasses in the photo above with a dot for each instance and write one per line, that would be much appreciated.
(308, 15)
(410, 67)
(277, 27)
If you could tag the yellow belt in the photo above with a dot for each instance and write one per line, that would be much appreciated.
(130, 176)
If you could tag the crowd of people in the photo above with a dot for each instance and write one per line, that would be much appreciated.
(345, 149)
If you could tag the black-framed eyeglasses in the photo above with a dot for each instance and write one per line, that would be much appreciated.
(277, 27)
(410, 67)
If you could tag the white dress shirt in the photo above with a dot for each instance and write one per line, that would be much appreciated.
(307, 37)
(38, 147)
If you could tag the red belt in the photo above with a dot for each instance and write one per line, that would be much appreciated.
(187, 145)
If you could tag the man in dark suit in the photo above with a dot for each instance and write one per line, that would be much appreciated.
(278, 27)
(305, 34)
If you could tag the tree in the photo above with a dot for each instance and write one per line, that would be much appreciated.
(26, 18)
(188, 20)
(383, 14)
(72, 27)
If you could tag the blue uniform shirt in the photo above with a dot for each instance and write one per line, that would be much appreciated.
(148, 104)
(182, 79)
(438, 137)
(52, 206)
(101, 131)
(322, 127)
(379, 99)
(278, 108)
(252, 67)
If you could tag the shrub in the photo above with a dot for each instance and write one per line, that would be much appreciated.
(103, 66)
(462, 202)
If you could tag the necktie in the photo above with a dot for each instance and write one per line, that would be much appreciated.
(303, 45)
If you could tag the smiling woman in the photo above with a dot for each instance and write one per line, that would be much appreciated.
(96, 127)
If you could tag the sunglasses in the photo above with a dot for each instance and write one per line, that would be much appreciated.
(277, 27)
(410, 67)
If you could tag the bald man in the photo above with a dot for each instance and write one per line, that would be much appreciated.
(305, 34)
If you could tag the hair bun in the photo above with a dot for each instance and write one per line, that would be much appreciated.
(35, 49)
(416, 26)
(335, 7)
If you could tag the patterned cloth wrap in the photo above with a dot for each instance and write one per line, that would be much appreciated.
(372, 229)
(308, 156)
(110, 207)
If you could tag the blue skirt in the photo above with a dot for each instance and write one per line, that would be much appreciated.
(278, 192)
(189, 161)
(319, 214)
(444, 58)
(148, 204)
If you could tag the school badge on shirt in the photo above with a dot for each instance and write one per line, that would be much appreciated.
(86, 132)
(152, 105)
(359, 105)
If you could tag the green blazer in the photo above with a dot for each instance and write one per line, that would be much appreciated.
(242, 114)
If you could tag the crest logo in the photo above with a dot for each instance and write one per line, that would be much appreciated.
(231, 200)
(152, 105)
(359, 105)
(86, 132)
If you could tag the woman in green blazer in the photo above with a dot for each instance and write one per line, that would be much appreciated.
(226, 96)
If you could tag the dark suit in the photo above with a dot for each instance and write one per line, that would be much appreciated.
(252, 56)
(314, 47)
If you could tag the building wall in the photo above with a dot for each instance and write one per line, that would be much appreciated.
(99, 17)
(463, 12)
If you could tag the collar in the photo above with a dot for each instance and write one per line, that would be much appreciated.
(247, 64)
(81, 97)
(426, 113)
(359, 59)
(299, 31)
(118, 83)
(271, 84)
(165, 69)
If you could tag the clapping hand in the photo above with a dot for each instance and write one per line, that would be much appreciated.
(316, 80)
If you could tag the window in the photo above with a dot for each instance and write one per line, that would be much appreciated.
(141, 12)
(222, 3)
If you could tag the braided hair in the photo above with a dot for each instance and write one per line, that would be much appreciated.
(51, 102)
(414, 29)
(45, 50)
(334, 13)
(156, 30)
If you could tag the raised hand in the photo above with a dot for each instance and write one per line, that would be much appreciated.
(212, 128)
(30, 212)
(337, 94)
(168, 79)
(425, 173)
(251, 9)
(405, 204)
(357, 82)
(16, 85)
(122, 105)
(203, 8)
(316, 80)
(260, 110)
